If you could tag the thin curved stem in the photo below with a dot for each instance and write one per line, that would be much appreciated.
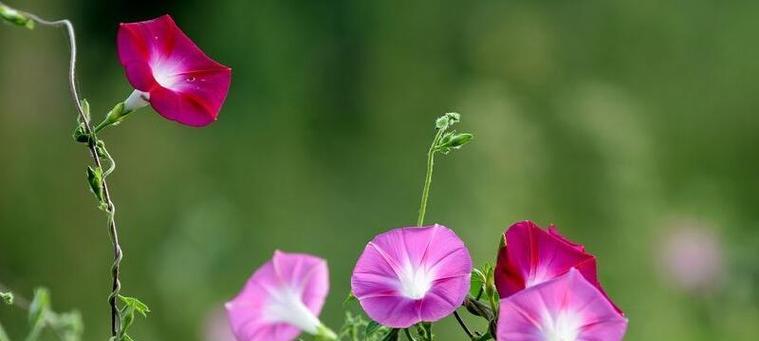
(463, 325)
(428, 178)
(85, 119)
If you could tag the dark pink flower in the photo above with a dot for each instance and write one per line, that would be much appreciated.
(566, 308)
(532, 256)
(281, 299)
(171, 72)
(413, 274)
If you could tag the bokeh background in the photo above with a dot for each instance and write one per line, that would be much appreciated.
(632, 125)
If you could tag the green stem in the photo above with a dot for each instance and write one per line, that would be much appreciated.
(463, 325)
(428, 177)
(102, 125)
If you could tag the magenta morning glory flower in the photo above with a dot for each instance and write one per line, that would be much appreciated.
(281, 299)
(171, 73)
(566, 308)
(532, 256)
(413, 274)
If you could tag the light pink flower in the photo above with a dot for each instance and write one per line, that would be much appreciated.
(532, 256)
(281, 299)
(216, 326)
(171, 72)
(690, 257)
(566, 308)
(413, 274)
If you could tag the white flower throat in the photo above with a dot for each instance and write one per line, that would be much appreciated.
(415, 281)
(285, 305)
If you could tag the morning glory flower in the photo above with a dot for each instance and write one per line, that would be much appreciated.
(532, 256)
(281, 299)
(566, 308)
(412, 274)
(171, 73)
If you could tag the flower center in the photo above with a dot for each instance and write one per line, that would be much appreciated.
(415, 281)
(286, 306)
(563, 327)
(165, 72)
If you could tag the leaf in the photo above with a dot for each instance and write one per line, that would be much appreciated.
(132, 305)
(485, 337)
(477, 283)
(424, 329)
(351, 298)
(136, 304)
(392, 335)
(6, 297)
(39, 307)
(453, 140)
(95, 180)
(371, 328)
(85, 108)
(3, 335)
(69, 326)
(39, 310)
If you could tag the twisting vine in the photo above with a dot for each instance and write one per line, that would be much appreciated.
(85, 133)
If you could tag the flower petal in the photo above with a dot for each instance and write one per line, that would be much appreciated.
(283, 297)
(567, 307)
(412, 274)
(185, 85)
(533, 256)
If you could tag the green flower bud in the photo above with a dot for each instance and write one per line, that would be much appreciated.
(447, 120)
(15, 17)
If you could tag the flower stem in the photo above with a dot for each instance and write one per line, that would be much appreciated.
(92, 145)
(463, 325)
(441, 128)
(428, 177)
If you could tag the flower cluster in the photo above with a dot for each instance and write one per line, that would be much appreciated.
(548, 287)
(543, 287)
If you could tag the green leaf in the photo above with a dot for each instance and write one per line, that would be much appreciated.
(350, 299)
(69, 326)
(7, 297)
(477, 283)
(372, 327)
(39, 307)
(136, 304)
(485, 337)
(131, 306)
(95, 180)
(3, 334)
(425, 330)
(15, 17)
(39, 310)
(491, 292)
(86, 108)
(392, 335)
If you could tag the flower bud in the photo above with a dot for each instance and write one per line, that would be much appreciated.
(447, 120)
(15, 17)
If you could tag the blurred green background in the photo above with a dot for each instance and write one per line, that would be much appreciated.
(630, 124)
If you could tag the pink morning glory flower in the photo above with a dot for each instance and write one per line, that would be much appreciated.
(281, 299)
(532, 256)
(566, 308)
(171, 73)
(412, 274)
